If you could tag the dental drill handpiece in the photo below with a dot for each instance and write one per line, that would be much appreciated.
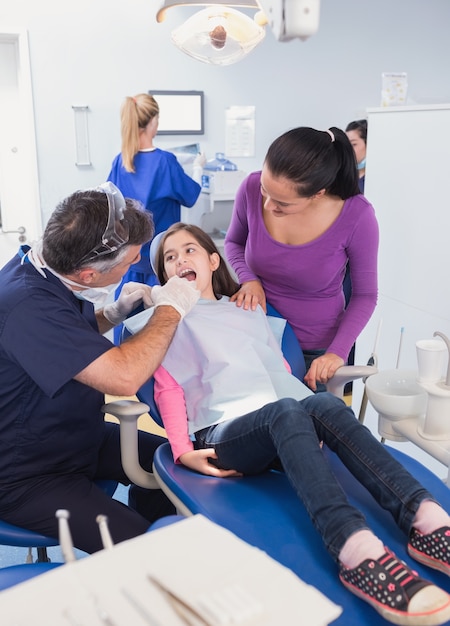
(102, 521)
(65, 538)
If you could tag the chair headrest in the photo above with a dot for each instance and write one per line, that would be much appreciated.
(154, 248)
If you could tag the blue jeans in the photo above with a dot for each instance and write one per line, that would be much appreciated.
(292, 431)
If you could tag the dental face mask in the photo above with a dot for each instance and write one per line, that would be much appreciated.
(362, 164)
(96, 295)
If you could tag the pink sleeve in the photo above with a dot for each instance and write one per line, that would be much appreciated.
(169, 398)
(287, 366)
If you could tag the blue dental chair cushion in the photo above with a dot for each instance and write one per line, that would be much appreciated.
(264, 511)
(15, 574)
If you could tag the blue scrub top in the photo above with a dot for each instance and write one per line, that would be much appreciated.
(161, 185)
(49, 423)
(361, 182)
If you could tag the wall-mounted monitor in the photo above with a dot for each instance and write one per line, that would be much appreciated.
(180, 112)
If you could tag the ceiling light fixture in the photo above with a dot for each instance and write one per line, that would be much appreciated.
(221, 35)
(218, 35)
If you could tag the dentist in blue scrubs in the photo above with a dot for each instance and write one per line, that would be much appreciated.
(56, 365)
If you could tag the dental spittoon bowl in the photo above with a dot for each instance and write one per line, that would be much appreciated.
(395, 395)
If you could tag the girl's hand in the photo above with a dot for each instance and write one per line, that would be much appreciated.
(250, 295)
(322, 369)
(197, 460)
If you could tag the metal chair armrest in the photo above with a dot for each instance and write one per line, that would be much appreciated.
(128, 412)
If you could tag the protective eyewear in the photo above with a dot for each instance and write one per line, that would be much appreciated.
(116, 233)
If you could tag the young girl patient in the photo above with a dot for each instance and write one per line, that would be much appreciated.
(224, 384)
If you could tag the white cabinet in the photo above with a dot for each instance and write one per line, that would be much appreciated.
(408, 167)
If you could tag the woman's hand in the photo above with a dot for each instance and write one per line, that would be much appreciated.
(322, 369)
(250, 295)
(197, 460)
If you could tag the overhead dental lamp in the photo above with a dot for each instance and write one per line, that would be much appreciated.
(222, 35)
(218, 35)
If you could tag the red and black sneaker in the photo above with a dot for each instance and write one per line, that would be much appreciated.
(397, 592)
(432, 550)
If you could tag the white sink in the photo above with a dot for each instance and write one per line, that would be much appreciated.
(396, 395)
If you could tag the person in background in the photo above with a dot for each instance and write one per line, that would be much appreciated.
(295, 227)
(56, 366)
(357, 134)
(152, 176)
(223, 381)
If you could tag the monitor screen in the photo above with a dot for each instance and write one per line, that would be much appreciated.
(180, 112)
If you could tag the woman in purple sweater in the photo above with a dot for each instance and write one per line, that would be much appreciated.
(295, 227)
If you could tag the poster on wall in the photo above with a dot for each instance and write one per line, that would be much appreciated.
(240, 131)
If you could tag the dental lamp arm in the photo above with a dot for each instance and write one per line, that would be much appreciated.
(291, 19)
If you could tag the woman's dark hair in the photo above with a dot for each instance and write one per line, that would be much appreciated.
(313, 160)
(222, 281)
(360, 126)
(76, 227)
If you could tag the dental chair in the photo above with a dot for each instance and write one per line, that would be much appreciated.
(265, 512)
(15, 574)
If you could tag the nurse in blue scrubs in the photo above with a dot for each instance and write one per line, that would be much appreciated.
(152, 176)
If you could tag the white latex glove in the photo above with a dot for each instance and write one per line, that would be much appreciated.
(197, 167)
(178, 293)
(131, 295)
(200, 160)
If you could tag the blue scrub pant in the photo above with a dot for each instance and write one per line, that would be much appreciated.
(33, 502)
(292, 431)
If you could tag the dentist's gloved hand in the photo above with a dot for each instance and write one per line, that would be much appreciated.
(178, 293)
(200, 160)
(131, 296)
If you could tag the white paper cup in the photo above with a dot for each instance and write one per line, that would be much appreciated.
(430, 360)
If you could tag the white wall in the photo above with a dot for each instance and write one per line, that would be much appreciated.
(98, 52)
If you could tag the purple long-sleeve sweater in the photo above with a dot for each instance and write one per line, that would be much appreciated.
(304, 282)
